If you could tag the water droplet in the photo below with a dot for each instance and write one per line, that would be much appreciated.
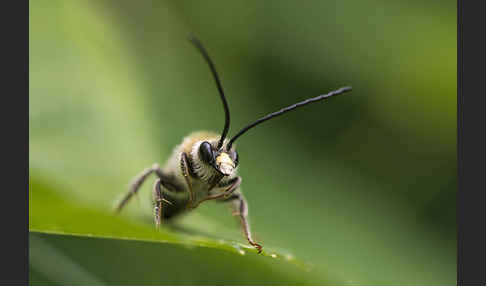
(273, 255)
(238, 249)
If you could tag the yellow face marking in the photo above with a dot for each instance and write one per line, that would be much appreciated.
(224, 158)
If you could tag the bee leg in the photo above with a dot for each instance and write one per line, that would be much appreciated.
(158, 198)
(137, 182)
(240, 207)
(185, 173)
(232, 186)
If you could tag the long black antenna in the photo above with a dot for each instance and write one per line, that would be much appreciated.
(286, 109)
(204, 53)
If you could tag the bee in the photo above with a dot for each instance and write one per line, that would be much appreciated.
(204, 166)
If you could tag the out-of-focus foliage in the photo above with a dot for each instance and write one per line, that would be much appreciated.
(362, 186)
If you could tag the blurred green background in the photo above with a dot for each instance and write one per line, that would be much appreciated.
(362, 186)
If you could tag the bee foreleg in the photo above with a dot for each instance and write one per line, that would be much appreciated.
(240, 208)
(232, 186)
(158, 199)
(185, 173)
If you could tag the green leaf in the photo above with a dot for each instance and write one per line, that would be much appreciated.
(50, 213)
(77, 261)
(211, 260)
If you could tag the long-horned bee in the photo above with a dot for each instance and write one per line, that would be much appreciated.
(204, 166)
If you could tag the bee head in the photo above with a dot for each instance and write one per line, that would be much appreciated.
(223, 161)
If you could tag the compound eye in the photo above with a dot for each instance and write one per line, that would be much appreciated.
(206, 152)
(235, 157)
